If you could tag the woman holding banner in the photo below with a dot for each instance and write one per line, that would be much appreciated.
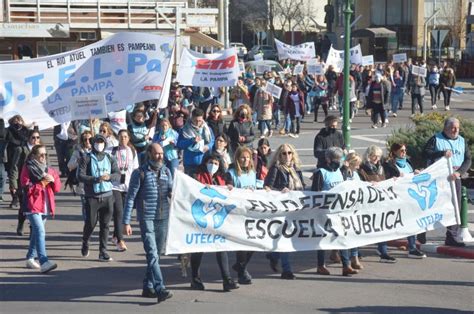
(242, 175)
(398, 165)
(284, 175)
(211, 172)
(371, 170)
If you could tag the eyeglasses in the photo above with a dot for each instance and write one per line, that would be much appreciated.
(286, 153)
(103, 131)
(35, 137)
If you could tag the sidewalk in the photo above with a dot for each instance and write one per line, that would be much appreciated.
(466, 84)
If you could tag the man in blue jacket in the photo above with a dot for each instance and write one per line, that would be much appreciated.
(195, 140)
(149, 189)
(450, 144)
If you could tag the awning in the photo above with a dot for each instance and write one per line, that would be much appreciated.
(376, 32)
(202, 40)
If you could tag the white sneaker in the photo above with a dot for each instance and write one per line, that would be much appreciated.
(292, 135)
(386, 121)
(412, 115)
(434, 107)
(48, 266)
(374, 126)
(350, 120)
(32, 264)
(447, 108)
(394, 115)
(296, 136)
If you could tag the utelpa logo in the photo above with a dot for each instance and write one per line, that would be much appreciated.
(202, 211)
(426, 192)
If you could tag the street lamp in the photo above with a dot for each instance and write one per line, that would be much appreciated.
(425, 30)
(346, 128)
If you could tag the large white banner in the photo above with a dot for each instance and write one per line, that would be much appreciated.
(336, 57)
(125, 68)
(210, 70)
(302, 52)
(352, 214)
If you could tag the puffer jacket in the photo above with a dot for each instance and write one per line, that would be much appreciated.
(149, 192)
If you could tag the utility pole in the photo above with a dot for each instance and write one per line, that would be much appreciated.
(346, 128)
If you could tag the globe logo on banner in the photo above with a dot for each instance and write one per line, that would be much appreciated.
(425, 193)
(201, 210)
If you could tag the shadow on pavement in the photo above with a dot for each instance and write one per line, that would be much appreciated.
(392, 309)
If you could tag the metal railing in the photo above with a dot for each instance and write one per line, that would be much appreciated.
(92, 14)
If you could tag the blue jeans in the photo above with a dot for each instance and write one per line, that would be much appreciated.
(382, 247)
(321, 257)
(354, 252)
(397, 101)
(285, 260)
(264, 124)
(276, 118)
(287, 123)
(411, 243)
(38, 238)
(309, 103)
(152, 234)
(172, 165)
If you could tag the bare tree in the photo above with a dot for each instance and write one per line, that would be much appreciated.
(453, 15)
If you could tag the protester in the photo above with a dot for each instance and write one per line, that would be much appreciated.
(212, 172)
(40, 182)
(295, 109)
(240, 130)
(447, 82)
(325, 179)
(399, 165)
(3, 159)
(33, 140)
(242, 175)
(450, 144)
(433, 85)
(215, 120)
(65, 137)
(397, 92)
(328, 137)
(97, 170)
(239, 95)
(377, 99)
(140, 133)
(372, 171)
(127, 161)
(168, 139)
(178, 115)
(85, 125)
(263, 104)
(284, 175)
(195, 140)
(261, 160)
(221, 148)
(417, 89)
(320, 98)
(349, 172)
(106, 131)
(152, 213)
(16, 137)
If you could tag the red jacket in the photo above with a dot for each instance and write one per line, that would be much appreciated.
(290, 105)
(34, 191)
(205, 178)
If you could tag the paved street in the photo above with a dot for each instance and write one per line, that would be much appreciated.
(438, 284)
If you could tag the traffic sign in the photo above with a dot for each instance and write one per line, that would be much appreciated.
(439, 35)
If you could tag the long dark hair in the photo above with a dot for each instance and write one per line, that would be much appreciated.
(394, 148)
(213, 156)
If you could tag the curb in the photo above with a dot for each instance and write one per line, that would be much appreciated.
(436, 248)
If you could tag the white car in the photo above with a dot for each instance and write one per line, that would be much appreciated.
(241, 50)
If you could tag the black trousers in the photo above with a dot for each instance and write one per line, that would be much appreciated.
(377, 109)
(119, 198)
(317, 102)
(447, 96)
(416, 98)
(222, 260)
(98, 209)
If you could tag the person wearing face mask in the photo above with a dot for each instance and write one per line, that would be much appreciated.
(329, 136)
(97, 170)
(450, 144)
(40, 183)
(433, 85)
(215, 120)
(212, 172)
(241, 132)
(371, 170)
(284, 175)
(195, 140)
(140, 132)
(377, 99)
(417, 89)
(80, 150)
(149, 189)
(398, 165)
(325, 179)
(16, 137)
(221, 148)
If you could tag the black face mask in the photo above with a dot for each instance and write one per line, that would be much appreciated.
(334, 165)
(242, 115)
(331, 130)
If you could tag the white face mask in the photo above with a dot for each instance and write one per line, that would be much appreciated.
(212, 168)
(99, 147)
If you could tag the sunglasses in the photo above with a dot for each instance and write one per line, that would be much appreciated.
(103, 131)
(35, 137)
(286, 153)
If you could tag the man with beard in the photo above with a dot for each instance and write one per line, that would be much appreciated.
(328, 137)
(149, 189)
(97, 170)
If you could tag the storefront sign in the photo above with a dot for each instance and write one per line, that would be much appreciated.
(41, 30)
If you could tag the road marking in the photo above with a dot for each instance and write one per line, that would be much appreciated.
(368, 139)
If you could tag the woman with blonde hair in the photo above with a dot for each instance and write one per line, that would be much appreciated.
(284, 175)
(242, 175)
(106, 131)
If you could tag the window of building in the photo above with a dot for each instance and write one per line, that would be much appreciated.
(47, 48)
(391, 12)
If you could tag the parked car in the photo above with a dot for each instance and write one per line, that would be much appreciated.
(274, 64)
(241, 50)
(269, 53)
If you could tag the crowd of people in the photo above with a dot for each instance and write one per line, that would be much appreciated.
(128, 160)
